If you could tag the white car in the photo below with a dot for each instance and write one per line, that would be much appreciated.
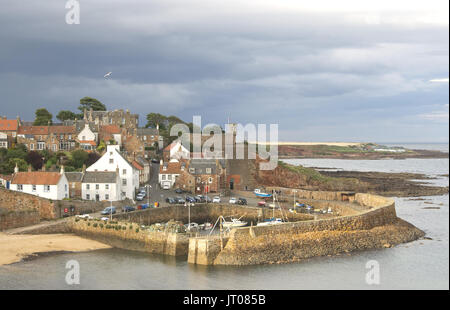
(85, 216)
(216, 199)
(233, 200)
(192, 227)
(105, 219)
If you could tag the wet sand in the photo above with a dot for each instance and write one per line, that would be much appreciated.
(14, 248)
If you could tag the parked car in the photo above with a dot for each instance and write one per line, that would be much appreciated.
(166, 186)
(171, 200)
(200, 198)
(140, 197)
(192, 227)
(128, 209)
(109, 210)
(233, 200)
(142, 207)
(190, 199)
(179, 191)
(261, 204)
(216, 199)
(180, 200)
(84, 216)
(155, 161)
(242, 201)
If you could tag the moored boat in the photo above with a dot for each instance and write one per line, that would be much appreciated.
(233, 223)
(261, 194)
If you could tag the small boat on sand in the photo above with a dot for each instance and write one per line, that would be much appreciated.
(234, 223)
(261, 194)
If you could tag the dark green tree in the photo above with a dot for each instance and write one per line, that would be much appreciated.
(87, 103)
(155, 118)
(66, 115)
(35, 160)
(43, 117)
(79, 158)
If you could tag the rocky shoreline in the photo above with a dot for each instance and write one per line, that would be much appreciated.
(393, 184)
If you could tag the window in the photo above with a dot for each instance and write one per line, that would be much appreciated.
(106, 197)
(145, 138)
(97, 186)
(88, 197)
(169, 177)
(46, 188)
(124, 171)
(163, 177)
(106, 186)
(124, 181)
(111, 160)
(191, 170)
(31, 146)
(55, 147)
(73, 185)
(65, 187)
(88, 186)
(34, 188)
(70, 137)
(61, 137)
(210, 180)
(208, 170)
(19, 187)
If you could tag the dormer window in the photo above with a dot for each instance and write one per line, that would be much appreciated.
(208, 170)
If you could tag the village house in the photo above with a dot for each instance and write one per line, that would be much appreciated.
(175, 150)
(119, 118)
(169, 172)
(50, 185)
(207, 175)
(4, 140)
(75, 179)
(33, 137)
(129, 175)
(148, 136)
(143, 166)
(101, 186)
(87, 138)
(5, 180)
(62, 138)
(9, 127)
(111, 134)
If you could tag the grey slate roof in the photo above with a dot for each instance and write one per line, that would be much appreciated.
(100, 177)
(74, 176)
(200, 166)
(147, 132)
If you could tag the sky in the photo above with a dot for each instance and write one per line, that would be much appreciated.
(348, 70)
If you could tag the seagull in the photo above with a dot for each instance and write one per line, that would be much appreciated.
(107, 75)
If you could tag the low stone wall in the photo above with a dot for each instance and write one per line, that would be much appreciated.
(133, 238)
(20, 218)
(375, 226)
(17, 201)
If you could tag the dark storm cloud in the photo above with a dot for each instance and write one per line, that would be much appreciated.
(319, 74)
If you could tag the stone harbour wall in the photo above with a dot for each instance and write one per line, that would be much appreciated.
(132, 237)
(20, 218)
(17, 201)
(375, 227)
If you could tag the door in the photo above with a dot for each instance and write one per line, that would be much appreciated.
(231, 183)
(97, 197)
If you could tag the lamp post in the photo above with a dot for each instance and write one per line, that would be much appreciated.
(294, 197)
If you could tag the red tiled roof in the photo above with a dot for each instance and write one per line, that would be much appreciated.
(89, 142)
(33, 130)
(172, 168)
(62, 129)
(137, 165)
(36, 178)
(110, 129)
(8, 125)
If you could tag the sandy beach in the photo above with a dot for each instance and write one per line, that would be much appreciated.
(13, 248)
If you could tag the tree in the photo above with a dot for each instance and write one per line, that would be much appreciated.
(92, 158)
(43, 117)
(66, 115)
(155, 118)
(87, 103)
(79, 158)
(35, 160)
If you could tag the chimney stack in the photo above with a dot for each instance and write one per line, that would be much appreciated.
(62, 170)
(16, 169)
(43, 168)
(29, 168)
(84, 168)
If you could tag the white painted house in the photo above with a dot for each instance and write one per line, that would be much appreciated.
(87, 138)
(169, 172)
(128, 174)
(3, 140)
(50, 185)
(101, 186)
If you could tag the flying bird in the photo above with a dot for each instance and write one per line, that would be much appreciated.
(107, 75)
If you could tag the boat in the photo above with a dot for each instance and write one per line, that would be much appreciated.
(206, 226)
(272, 221)
(261, 194)
(233, 223)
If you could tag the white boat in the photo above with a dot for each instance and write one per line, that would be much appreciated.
(261, 194)
(272, 221)
(234, 223)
